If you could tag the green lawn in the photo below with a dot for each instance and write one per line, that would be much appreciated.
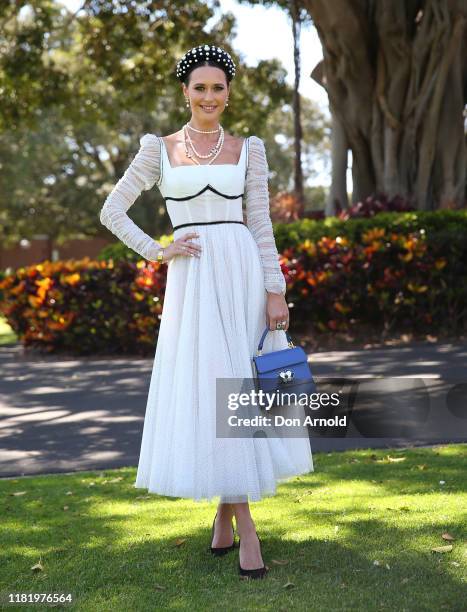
(7, 335)
(356, 534)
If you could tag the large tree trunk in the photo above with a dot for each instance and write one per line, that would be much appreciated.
(339, 154)
(396, 76)
(298, 174)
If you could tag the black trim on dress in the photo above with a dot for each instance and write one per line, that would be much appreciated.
(228, 197)
(206, 223)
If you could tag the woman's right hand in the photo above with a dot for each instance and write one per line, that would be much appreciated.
(182, 246)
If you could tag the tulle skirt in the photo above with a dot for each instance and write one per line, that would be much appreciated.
(213, 316)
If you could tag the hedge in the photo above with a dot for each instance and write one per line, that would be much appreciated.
(393, 272)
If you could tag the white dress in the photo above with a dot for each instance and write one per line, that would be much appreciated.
(213, 316)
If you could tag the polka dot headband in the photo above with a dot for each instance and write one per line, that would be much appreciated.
(196, 56)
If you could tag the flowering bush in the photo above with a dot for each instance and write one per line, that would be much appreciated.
(372, 205)
(85, 306)
(389, 280)
(393, 272)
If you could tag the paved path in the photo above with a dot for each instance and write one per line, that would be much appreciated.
(69, 414)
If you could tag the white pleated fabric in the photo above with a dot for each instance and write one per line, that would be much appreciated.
(141, 174)
(214, 314)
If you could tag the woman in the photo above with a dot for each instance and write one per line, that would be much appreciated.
(224, 284)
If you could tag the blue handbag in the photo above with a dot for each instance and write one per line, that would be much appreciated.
(281, 371)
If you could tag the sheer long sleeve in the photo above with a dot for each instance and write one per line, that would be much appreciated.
(141, 175)
(258, 217)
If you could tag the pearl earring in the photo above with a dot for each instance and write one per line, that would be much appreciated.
(227, 102)
(187, 104)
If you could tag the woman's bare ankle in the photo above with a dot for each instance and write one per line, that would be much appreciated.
(246, 528)
(225, 512)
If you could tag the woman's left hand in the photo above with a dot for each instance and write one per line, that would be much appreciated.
(277, 310)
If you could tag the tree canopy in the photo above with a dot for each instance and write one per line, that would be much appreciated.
(78, 90)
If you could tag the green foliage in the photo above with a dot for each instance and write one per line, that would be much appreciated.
(278, 135)
(119, 251)
(85, 307)
(78, 91)
(392, 272)
(395, 271)
(439, 222)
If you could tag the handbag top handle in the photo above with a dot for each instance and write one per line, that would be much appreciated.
(260, 345)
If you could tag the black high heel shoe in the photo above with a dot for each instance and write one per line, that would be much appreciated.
(259, 572)
(219, 551)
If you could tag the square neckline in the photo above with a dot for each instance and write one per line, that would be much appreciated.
(200, 165)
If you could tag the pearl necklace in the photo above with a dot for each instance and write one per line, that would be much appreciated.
(203, 131)
(214, 151)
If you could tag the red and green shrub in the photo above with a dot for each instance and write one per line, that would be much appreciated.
(85, 306)
(397, 272)
(393, 272)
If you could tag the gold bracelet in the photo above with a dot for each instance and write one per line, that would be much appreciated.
(160, 256)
